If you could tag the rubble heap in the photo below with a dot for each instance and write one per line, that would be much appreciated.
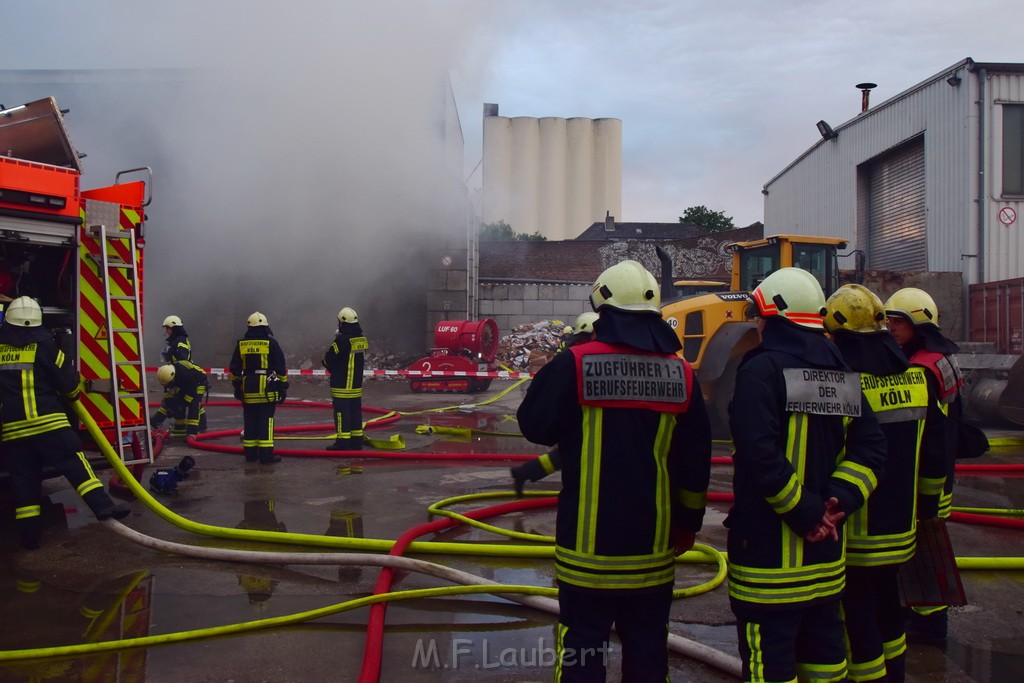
(530, 346)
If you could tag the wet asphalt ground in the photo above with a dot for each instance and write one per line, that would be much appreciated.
(88, 584)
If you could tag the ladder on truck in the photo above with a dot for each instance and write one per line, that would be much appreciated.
(119, 276)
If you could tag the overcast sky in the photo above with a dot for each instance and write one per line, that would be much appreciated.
(714, 97)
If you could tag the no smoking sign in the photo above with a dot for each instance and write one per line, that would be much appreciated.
(1007, 216)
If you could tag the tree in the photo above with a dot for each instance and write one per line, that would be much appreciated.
(500, 231)
(712, 221)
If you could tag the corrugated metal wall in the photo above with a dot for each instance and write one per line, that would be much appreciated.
(818, 193)
(1004, 244)
(997, 314)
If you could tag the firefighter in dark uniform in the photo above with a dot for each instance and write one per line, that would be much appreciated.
(179, 348)
(344, 361)
(808, 450)
(632, 431)
(186, 383)
(914, 323)
(551, 462)
(881, 535)
(260, 379)
(34, 375)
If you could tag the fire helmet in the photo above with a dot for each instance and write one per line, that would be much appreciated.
(627, 286)
(585, 323)
(165, 375)
(257, 319)
(854, 308)
(792, 294)
(24, 312)
(347, 315)
(914, 304)
(172, 321)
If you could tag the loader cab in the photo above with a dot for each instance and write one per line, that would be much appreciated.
(753, 261)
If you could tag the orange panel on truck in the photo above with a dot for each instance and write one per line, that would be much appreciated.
(30, 186)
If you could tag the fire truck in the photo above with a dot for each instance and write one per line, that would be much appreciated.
(79, 253)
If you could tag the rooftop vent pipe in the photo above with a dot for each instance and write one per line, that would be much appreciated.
(865, 94)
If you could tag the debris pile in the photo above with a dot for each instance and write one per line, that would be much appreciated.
(530, 346)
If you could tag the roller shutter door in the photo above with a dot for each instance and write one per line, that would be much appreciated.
(897, 238)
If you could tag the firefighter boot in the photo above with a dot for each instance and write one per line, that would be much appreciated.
(251, 453)
(340, 445)
(896, 669)
(928, 628)
(267, 457)
(30, 531)
(113, 511)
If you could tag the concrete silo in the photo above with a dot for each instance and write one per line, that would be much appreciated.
(550, 175)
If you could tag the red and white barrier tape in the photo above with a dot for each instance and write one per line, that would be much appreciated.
(497, 374)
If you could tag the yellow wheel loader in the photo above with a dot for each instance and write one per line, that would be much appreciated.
(712, 327)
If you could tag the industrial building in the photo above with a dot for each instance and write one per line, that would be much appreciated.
(930, 179)
(550, 175)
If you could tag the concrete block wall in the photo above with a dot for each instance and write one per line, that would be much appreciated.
(511, 304)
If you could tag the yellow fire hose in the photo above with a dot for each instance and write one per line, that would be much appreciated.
(477, 584)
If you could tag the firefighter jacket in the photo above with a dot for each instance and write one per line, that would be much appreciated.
(803, 433)
(34, 374)
(933, 352)
(256, 359)
(190, 380)
(884, 530)
(344, 360)
(635, 448)
(177, 346)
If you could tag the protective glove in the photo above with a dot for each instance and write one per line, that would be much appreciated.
(238, 390)
(157, 420)
(519, 479)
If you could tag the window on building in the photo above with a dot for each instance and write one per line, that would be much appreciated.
(1013, 149)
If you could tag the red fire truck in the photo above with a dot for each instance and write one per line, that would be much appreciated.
(79, 253)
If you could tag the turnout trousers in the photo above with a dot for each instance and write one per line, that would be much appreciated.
(875, 624)
(258, 434)
(783, 643)
(348, 418)
(584, 628)
(62, 450)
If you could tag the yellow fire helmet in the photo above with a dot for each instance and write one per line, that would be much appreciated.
(627, 286)
(172, 321)
(257, 319)
(792, 294)
(347, 315)
(585, 323)
(914, 304)
(854, 308)
(165, 375)
(24, 312)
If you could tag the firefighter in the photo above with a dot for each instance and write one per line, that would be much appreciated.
(177, 346)
(633, 436)
(913, 320)
(808, 450)
(881, 535)
(260, 379)
(185, 384)
(34, 375)
(344, 361)
(551, 462)
(564, 338)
